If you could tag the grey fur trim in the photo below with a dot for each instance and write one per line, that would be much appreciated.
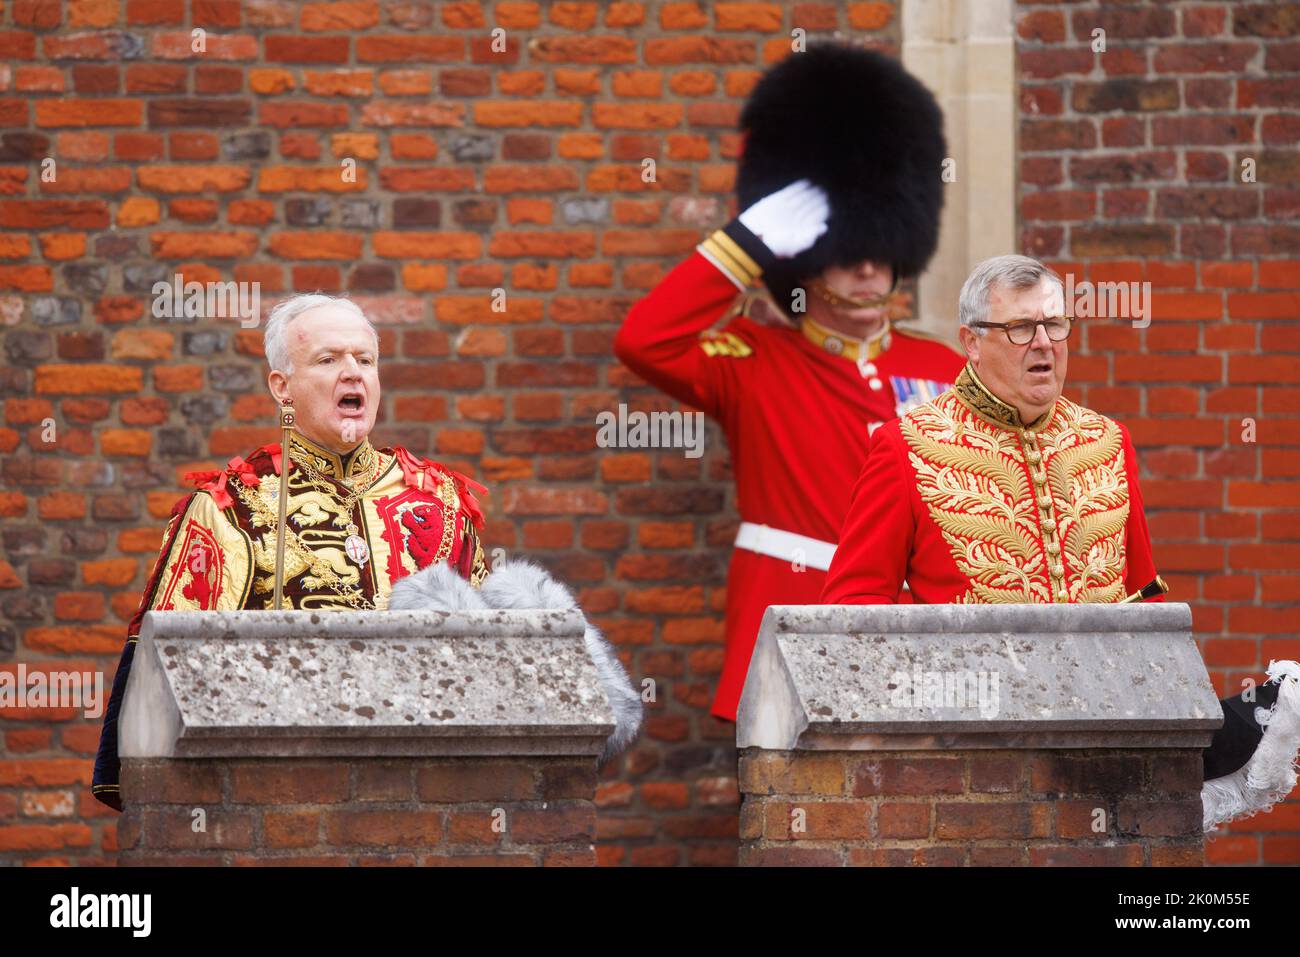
(623, 698)
(516, 584)
(520, 584)
(436, 588)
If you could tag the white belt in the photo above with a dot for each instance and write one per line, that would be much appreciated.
(787, 546)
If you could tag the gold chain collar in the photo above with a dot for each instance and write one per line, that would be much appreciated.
(354, 464)
(977, 397)
(316, 477)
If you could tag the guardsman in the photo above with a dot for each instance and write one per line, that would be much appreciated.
(840, 186)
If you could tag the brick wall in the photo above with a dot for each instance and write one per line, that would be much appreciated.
(1110, 808)
(1131, 169)
(522, 170)
(363, 811)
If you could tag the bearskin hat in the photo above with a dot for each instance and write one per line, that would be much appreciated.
(858, 125)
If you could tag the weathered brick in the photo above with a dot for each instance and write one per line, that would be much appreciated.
(288, 783)
(906, 776)
(414, 829)
(475, 781)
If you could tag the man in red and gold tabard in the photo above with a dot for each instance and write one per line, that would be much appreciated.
(360, 518)
(999, 490)
(839, 183)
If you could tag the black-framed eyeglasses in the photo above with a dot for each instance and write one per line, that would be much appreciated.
(1022, 333)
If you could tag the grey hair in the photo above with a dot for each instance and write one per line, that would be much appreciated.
(275, 338)
(1018, 272)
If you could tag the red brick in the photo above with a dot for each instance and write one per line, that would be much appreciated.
(288, 783)
(560, 822)
(906, 776)
(464, 781)
(291, 828)
(383, 828)
(903, 820)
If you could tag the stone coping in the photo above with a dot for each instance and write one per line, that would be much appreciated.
(886, 677)
(354, 684)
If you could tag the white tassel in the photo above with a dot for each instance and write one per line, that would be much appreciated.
(1270, 774)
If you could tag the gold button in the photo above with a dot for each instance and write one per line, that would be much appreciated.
(1049, 524)
(1062, 595)
(1058, 570)
(1034, 457)
(1040, 478)
(1053, 549)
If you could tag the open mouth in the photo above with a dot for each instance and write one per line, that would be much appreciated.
(351, 402)
(1041, 368)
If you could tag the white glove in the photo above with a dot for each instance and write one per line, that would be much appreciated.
(789, 220)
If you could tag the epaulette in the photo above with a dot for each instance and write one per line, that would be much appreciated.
(720, 342)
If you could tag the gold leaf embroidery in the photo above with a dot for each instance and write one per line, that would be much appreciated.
(1097, 525)
(979, 498)
(971, 475)
(989, 463)
(1085, 468)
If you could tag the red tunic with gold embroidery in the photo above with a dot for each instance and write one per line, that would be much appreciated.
(967, 505)
(797, 419)
(218, 551)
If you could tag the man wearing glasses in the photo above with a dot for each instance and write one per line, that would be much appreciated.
(999, 490)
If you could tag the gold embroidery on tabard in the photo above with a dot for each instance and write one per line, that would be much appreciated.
(979, 497)
(972, 477)
(1089, 486)
(314, 552)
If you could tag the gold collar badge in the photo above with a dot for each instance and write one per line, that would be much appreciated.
(846, 346)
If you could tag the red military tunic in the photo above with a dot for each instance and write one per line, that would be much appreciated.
(967, 505)
(797, 419)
